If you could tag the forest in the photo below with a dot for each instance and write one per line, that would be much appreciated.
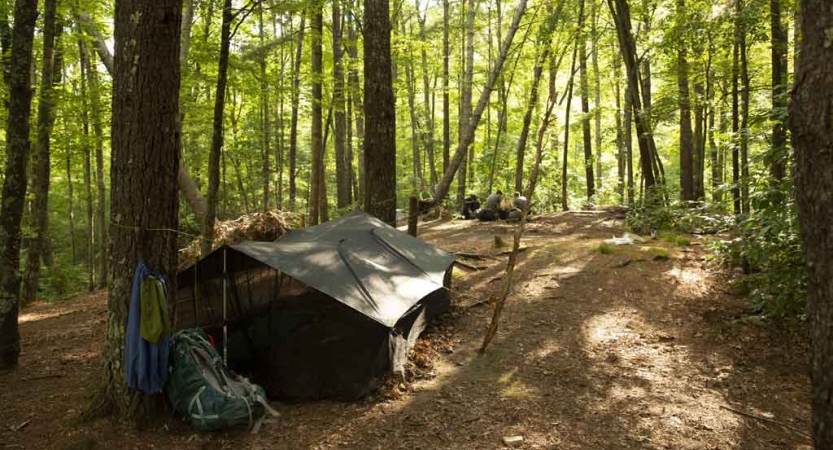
(137, 128)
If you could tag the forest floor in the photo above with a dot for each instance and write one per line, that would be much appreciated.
(624, 350)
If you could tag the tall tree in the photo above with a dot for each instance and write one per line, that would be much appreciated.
(597, 89)
(464, 121)
(14, 182)
(565, 157)
(428, 110)
(736, 200)
(684, 102)
(380, 114)
(86, 150)
(145, 164)
(41, 163)
(813, 143)
(293, 125)
(779, 43)
(356, 97)
(446, 100)
(410, 81)
(316, 128)
(620, 11)
(542, 46)
(344, 194)
(441, 190)
(584, 87)
(217, 134)
(265, 122)
(744, 111)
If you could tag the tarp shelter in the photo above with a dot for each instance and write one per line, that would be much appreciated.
(323, 312)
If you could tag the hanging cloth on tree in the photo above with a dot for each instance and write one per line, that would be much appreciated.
(146, 363)
(155, 323)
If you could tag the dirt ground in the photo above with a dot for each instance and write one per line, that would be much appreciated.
(626, 350)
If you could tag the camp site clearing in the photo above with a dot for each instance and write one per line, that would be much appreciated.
(618, 350)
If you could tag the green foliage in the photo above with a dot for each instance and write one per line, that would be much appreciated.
(697, 218)
(604, 249)
(62, 280)
(769, 245)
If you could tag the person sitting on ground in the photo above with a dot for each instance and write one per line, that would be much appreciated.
(470, 206)
(518, 206)
(493, 209)
(425, 199)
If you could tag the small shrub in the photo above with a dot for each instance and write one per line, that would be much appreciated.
(683, 241)
(660, 254)
(604, 248)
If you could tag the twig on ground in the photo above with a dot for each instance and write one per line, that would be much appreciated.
(768, 420)
(468, 266)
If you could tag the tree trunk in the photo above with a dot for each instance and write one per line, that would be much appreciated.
(647, 148)
(565, 198)
(410, 81)
(466, 101)
(344, 195)
(736, 199)
(446, 101)
(428, 112)
(14, 182)
(686, 137)
(293, 125)
(779, 41)
(316, 130)
(541, 56)
(454, 164)
(628, 138)
(71, 206)
(41, 156)
(217, 133)
(597, 89)
(620, 132)
(585, 105)
(380, 114)
(145, 162)
(356, 95)
(266, 124)
(87, 151)
(699, 142)
(101, 189)
(744, 117)
(812, 140)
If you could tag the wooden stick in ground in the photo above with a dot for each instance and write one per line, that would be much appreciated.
(413, 216)
(510, 265)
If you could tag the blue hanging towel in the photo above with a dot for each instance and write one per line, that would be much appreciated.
(145, 364)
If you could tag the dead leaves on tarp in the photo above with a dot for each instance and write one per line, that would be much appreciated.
(260, 226)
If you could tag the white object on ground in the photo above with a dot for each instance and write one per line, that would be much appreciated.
(626, 239)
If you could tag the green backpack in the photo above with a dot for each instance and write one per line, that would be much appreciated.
(204, 390)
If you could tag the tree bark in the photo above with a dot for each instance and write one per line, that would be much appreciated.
(41, 164)
(344, 191)
(217, 133)
(812, 138)
(684, 102)
(293, 125)
(466, 101)
(265, 123)
(87, 152)
(736, 200)
(14, 182)
(380, 114)
(454, 164)
(647, 148)
(597, 89)
(356, 97)
(316, 130)
(620, 132)
(446, 100)
(744, 117)
(428, 112)
(628, 138)
(541, 56)
(145, 162)
(565, 198)
(585, 105)
(779, 41)
(410, 81)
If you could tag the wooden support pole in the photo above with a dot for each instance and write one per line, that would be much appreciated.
(413, 215)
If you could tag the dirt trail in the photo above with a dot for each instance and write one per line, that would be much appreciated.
(595, 351)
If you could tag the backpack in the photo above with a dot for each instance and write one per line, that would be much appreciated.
(204, 390)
